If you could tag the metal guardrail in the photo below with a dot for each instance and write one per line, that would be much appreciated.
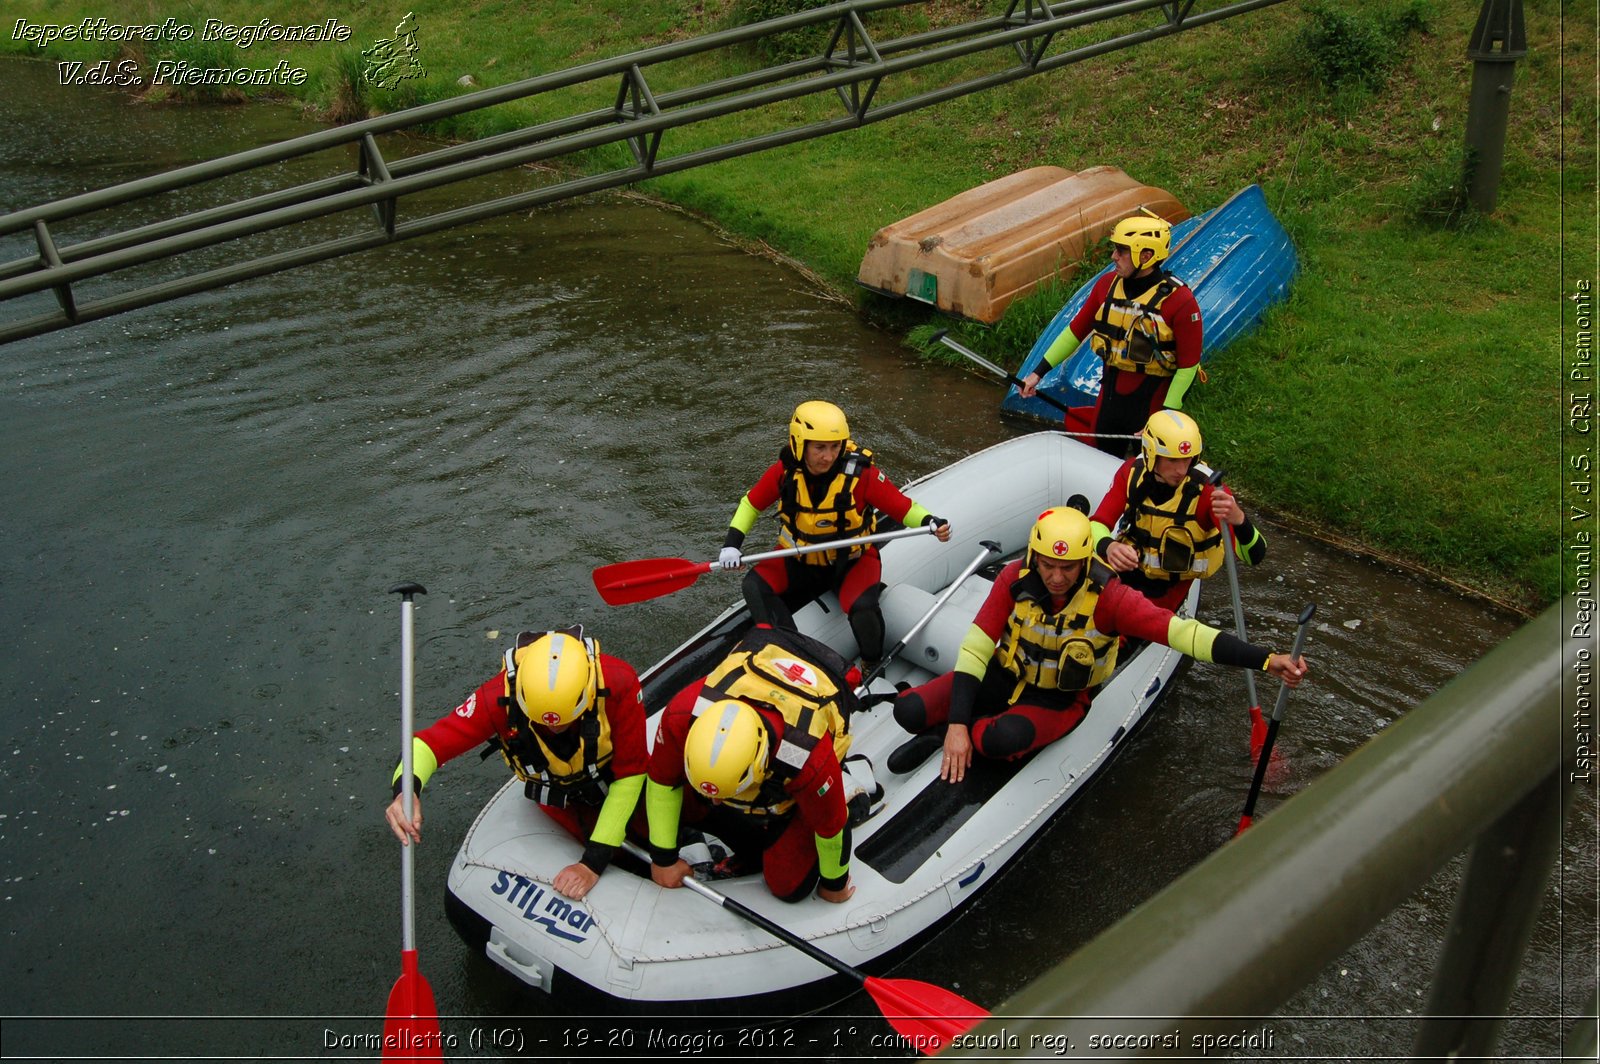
(851, 66)
(1488, 762)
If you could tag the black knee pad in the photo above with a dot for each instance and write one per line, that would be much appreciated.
(1006, 737)
(866, 623)
(766, 605)
(910, 713)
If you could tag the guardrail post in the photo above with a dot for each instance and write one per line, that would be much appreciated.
(1501, 891)
(1497, 43)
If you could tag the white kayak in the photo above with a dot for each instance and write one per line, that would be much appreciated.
(930, 849)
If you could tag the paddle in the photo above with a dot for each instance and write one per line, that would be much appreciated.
(1072, 413)
(925, 1015)
(637, 581)
(1272, 726)
(411, 1026)
(989, 547)
(1258, 726)
(942, 337)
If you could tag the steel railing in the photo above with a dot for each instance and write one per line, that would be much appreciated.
(1487, 764)
(852, 66)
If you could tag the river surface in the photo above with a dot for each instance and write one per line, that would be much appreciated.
(206, 501)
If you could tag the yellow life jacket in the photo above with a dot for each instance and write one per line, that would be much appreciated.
(1132, 335)
(1171, 542)
(831, 515)
(549, 778)
(1057, 651)
(803, 681)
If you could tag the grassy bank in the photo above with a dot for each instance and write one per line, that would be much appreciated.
(1406, 397)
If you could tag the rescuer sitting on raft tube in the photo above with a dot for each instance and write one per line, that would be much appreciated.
(826, 488)
(568, 721)
(760, 742)
(1041, 645)
(1168, 516)
(1144, 324)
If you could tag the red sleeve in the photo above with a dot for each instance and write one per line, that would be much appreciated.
(625, 712)
(666, 756)
(1083, 321)
(996, 609)
(1115, 503)
(1123, 611)
(819, 791)
(1183, 314)
(876, 490)
(475, 721)
(1203, 512)
(765, 492)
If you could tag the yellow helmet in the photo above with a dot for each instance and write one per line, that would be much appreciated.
(725, 753)
(554, 678)
(1062, 533)
(1141, 232)
(815, 420)
(1170, 434)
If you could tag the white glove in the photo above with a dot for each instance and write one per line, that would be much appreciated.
(730, 558)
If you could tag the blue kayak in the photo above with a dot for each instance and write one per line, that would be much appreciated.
(1236, 258)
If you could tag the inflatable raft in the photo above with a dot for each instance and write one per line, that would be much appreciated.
(1238, 260)
(928, 851)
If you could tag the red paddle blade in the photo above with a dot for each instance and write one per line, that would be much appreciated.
(1078, 419)
(925, 1015)
(411, 1026)
(646, 578)
(1258, 732)
(1244, 822)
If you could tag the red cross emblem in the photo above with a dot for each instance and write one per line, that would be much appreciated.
(551, 719)
(1059, 548)
(709, 789)
(795, 672)
(1183, 448)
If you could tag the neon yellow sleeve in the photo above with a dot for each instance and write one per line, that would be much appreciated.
(1250, 546)
(621, 799)
(424, 763)
(663, 805)
(1189, 636)
(830, 853)
(1180, 387)
(744, 518)
(1061, 347)
(976, 650)
(916, 515)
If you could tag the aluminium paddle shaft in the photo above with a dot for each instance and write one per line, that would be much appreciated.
(989, 547)
(1230, 545)
(411, 1024)
(1011, 378)
(407, 591)
(812, 548)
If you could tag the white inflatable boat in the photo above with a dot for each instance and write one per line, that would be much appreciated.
(930, 849)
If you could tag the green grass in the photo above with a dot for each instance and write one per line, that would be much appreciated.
(1405, 397)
